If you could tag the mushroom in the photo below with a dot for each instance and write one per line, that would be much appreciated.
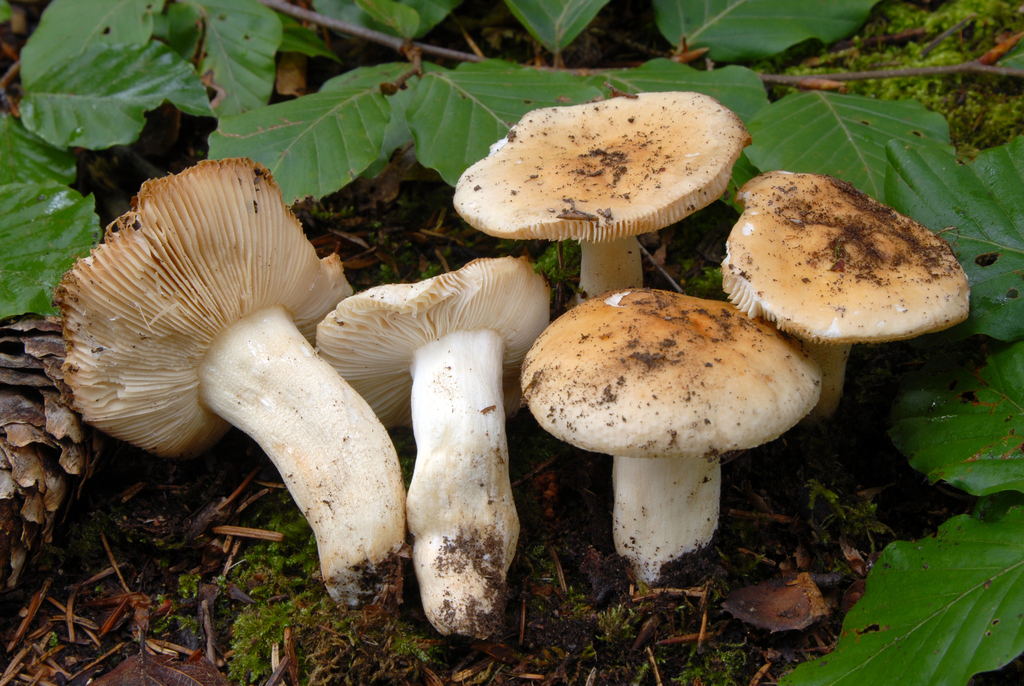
(833, 267)
(665, 383)
(188, 320)
(602, 173)
(444, 355)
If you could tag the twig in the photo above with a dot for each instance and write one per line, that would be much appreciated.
(661, 270)
(238, 491)
(246, 532)
(539, 468)
(760, 674)
(30, 614)
(113, 562)
(366, 34)
(966, 67)
(559, 574)
(8, 77)
(947, 33)
(469, 39)
(654, 666)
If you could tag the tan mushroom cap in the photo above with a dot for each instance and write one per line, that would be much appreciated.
(646, 373)
(141, 311)
(371, 337)
(829, 264)
(604, 170)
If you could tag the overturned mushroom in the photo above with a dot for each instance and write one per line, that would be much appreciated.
(437, 354)
(665, 383)
(834, 267)
(187, 320)
(602, 173)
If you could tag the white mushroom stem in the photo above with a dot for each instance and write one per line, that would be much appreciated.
(460, 507)
(334, 455)
(831, 357)
(664, 507)
(610, 266)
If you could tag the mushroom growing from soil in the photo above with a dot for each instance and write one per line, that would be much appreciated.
(834, 267)
(665, 383)
(189, 320)
(602, 173)
(444, 355)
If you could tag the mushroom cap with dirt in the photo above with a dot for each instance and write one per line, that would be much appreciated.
(194, 316)
(602, 173)
(665, 383)
(444, 354)
(834, 267)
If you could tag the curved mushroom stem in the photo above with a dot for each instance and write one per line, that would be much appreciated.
(664, 507)
(460, 505)
(610, 266)
(831, 357)
(334, 455)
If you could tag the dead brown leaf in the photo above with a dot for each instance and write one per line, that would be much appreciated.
(778, 604)
(162, 670)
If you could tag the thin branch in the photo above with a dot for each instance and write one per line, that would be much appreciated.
(661, 270)
(366, 34)
(947, 33)
(966, 67)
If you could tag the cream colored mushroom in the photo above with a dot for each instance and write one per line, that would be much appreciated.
(188, 320)
(665, 383)
(444, 355)
(834, 267)
(602, 173)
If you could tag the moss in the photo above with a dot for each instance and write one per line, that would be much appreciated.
(722, 664)
(188, 586)
(618, 624)
(982, 111)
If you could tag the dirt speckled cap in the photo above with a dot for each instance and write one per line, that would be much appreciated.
(829, 264)
(604, 170)
(646, 373)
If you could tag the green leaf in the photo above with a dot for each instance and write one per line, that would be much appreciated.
(1015, 58)
(25, 158)
(474, 106)
(397, 132)
(68, 27)
(403, 20)
(240, 42)
(555, 23)
(184, 29)
(841, 135)
(742, 172)
(965, 425)
(737, 88)
(44, 228)
(747, 29)
(5, 10)
(430, 12)
(315, 144)
(984, 201)
(935, 612)
(99, 99)
(297, 38)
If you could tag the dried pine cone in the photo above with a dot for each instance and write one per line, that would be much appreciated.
(45, 450)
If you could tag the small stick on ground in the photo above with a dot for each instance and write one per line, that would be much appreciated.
(760, 674)
(539, 468)
(246, 532)
(947, 33)
(654, 666)
(661, 270)
(241, 488)
(113, 562)
(33, 608)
